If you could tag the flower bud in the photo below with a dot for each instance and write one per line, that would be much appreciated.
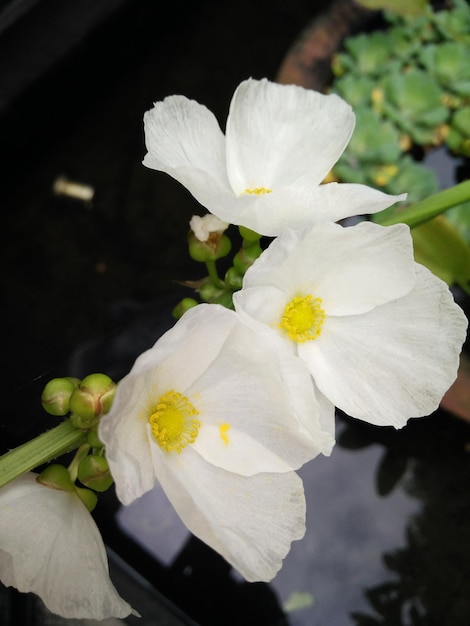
(208, 292)
(56, 477)
(225, 299)
(93, 398)
(56, 395)
(93, 439)
(233, 279)
(248, 234)
(82, 423)
(93, 472)
(246, 256)
(89, 498)
(183, 306)
(216, 246)
(203, 227)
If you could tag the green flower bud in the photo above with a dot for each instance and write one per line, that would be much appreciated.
(56, 395)
(225, 299)
(208, 292)
(89, 498)
(93, 398)
(82, 423)
(93, 472)
(56, 477)
(248, 234)
(233, 279)
(93, 439)
(246, 257)
(216, 246)
(183, 306)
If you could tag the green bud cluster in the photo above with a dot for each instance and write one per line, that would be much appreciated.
(91, 399)
(212, 289)
(85, 401)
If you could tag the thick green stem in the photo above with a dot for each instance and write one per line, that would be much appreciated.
(426, 209)
(41, 449)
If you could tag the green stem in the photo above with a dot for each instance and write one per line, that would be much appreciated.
(424, 210)
(79, 455)
(41, 449)
(211, 268)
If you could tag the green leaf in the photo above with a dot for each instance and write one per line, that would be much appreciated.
(439, 246)
(401, 7)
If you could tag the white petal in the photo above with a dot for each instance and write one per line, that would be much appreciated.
(396, 361)
(299, 207)
(283, 135)
(241, 385)
(50, 545)
(358, 268)
(351, 269)
(189, 346)
(250, 521)
(183, 139)
(265, 303)
(124, 432)
(335, 201)
(258, 408)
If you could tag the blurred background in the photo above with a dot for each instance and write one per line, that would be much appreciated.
(89, 280)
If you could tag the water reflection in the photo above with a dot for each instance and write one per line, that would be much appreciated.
(427, 581)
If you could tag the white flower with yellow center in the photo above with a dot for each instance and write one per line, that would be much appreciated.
(380, 334)
(220, 420)
(265, 172)
(51, 546)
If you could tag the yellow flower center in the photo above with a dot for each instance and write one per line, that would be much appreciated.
(303, 318)
(172, 422)
(258, 191)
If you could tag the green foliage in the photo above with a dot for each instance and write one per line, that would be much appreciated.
(458, 138)
(412, 101)
(448, 63)
(409, 85)
(401, 7)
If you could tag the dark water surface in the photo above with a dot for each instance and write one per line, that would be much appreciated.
(87, 286)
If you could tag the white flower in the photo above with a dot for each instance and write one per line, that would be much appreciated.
(50, 545)
(380, 334)
(265, 173)
(204, 226)
(220, 420)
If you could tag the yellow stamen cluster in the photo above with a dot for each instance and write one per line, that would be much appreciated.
(258, 191)
(172, 422)
(303, 318)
